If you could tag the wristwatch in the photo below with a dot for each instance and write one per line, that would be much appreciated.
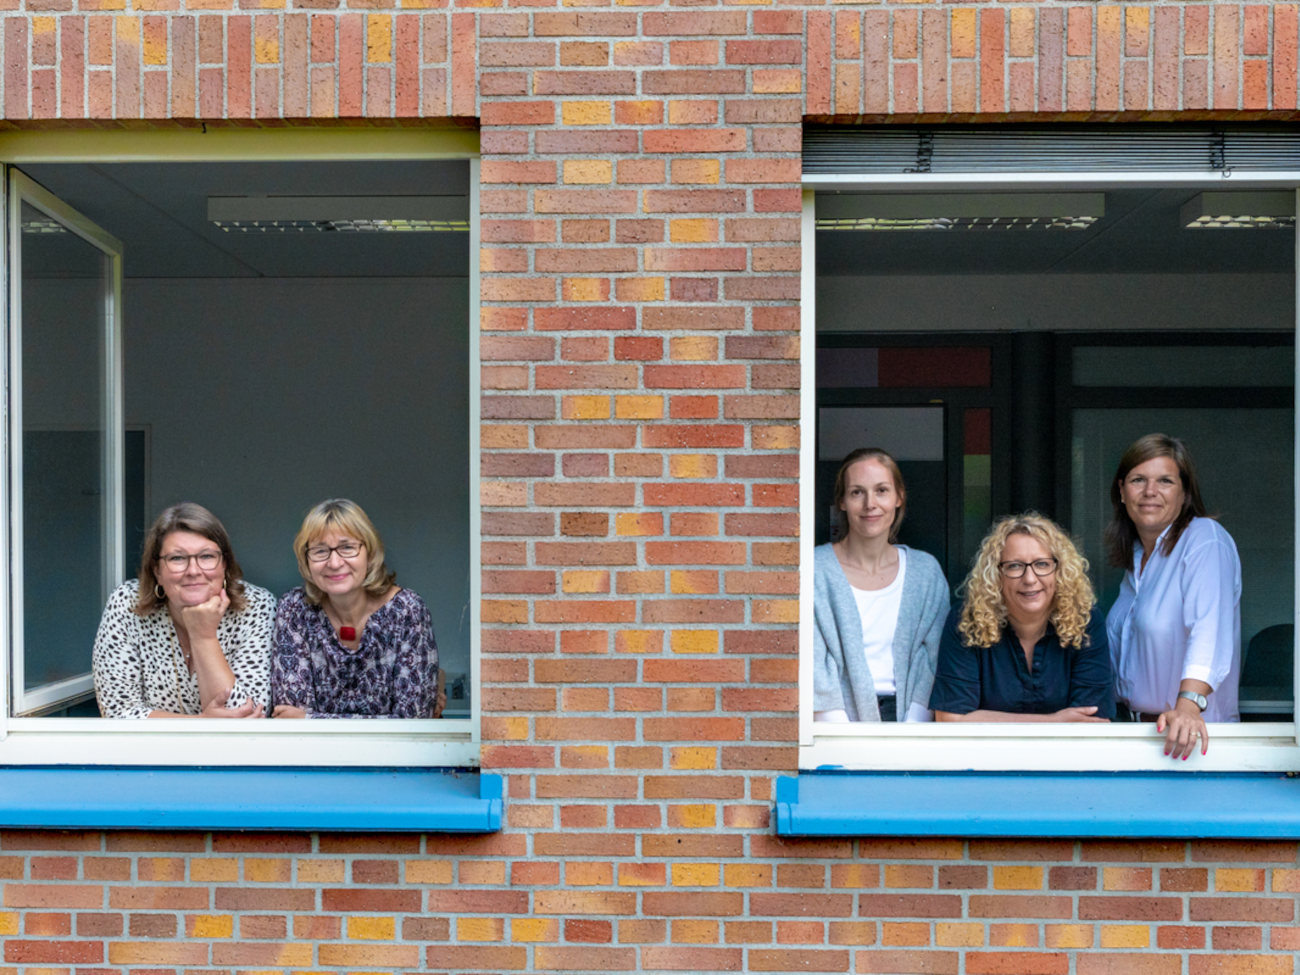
(1199, 700)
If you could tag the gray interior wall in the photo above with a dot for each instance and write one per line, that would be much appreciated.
(1060, 302)
(264, 396)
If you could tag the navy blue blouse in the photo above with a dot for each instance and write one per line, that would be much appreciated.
(997, 678)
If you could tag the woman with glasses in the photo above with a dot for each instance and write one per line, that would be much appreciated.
(878, 606)
(1025, 645)
(189, 637)
(1175, 629)
(349, 642)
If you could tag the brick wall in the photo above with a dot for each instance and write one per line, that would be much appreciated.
(639, 335)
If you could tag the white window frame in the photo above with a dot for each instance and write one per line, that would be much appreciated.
(1263, 746)
(423, 743)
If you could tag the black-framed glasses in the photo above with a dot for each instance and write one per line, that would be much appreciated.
(321, 553)
(177, 563)
(1040, 568)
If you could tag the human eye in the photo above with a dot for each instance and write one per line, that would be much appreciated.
(348, 549)
(1138, 481)
(1013, 568)
(209, 560)
(318, 553)
(175, 561)
(1042, 566)
(1166, 482)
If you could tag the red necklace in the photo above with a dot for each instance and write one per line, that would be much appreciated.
(347, 632)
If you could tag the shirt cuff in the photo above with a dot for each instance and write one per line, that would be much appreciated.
(834, 716)
(918, 712)
(1198, 672)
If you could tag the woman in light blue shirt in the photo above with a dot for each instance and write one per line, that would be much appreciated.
(1175, 630)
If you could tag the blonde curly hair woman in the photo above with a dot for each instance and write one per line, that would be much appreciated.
(1025, 644)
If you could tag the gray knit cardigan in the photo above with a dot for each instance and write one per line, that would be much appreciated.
(841, 677)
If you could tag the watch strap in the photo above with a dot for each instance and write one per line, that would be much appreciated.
(1198, 699)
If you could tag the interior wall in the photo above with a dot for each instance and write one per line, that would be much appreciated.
(264, 396)
(1062, 302)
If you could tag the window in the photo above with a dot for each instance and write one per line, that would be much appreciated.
(172, 355)
(1008, 366)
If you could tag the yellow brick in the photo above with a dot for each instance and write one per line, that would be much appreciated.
(693, 347)
(636, 523)
(480, 929)
(128, 28)
(584, 581)
(909, 933)
(693, 757)
(780, 81)
(696, 171)
(372, 928)
(774, 438)
(585, 289)
(214, 870)
(1287, 881)
(1068, 936)
(266, 50)
(693, 465)
(962, 42)
(1238, 879)
(950, 934)
(696, 874)
(775, 611)
(534, 929)
(210, 926)
(586, 113)
(693, 581)
(1018, 878)
(43, 25)
(696, 815)
(1013, 935)
(639, 641)
(692, 231)
(379, 38)
(585, 407)
(638, 407)
(1125, 936)
(695, 932)
(505, 436)
(8, 922)
(321, 871)
(515, 729)
(747, 874)
(641, 289)
(266, 871)
(639, 113)
(694, 641)
(588, 171)
(1137, 22)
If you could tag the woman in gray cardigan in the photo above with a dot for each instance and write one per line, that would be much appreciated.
(879, 607)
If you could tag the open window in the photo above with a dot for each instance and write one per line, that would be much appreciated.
(253, 324)
(1005, 310)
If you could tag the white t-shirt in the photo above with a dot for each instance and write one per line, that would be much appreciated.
(878, 609)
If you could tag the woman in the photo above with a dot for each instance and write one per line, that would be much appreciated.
(878, 606)
(1175, 629)
(349, 643)
(189, 637)
(1025, 644)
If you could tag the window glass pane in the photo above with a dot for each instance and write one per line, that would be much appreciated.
(1182, 366)
(1244, 465)
(64, 477)
(977, 480)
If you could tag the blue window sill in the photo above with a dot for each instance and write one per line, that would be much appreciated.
(1117, 804)
(415, 800)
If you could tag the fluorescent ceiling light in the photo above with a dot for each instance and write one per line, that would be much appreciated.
(959, 211)
(42, 225)
(1238, 210)
(338, 214)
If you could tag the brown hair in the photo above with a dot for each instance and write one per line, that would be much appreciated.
(345, 517)
(185, 517)
(1121, 533)
(889, 464)
(984, 611)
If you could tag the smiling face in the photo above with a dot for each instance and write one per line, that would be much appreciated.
(1153, 496)
(871, 499)
(337, 575)
(1028, 599)
(190, 584)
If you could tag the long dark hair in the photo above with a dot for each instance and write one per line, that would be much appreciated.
(186, 517)
(889, 464)
(1121, 533)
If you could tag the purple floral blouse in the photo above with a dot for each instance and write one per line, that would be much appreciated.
(392, 674)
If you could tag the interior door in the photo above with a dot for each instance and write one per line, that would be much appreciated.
(65, 443)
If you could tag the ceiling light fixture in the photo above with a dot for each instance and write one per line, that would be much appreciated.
(959, 211)
(1237, 210)
(338, 214)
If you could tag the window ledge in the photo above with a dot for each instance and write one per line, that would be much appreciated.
(416, 800)
(1114, 804)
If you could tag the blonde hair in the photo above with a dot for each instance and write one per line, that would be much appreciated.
(984, 613)
(346, 518)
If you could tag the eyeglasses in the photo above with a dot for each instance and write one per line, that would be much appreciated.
(321, 553)
(177, 563)
(1040, 567)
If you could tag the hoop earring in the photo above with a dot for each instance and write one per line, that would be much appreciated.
(158, 593)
